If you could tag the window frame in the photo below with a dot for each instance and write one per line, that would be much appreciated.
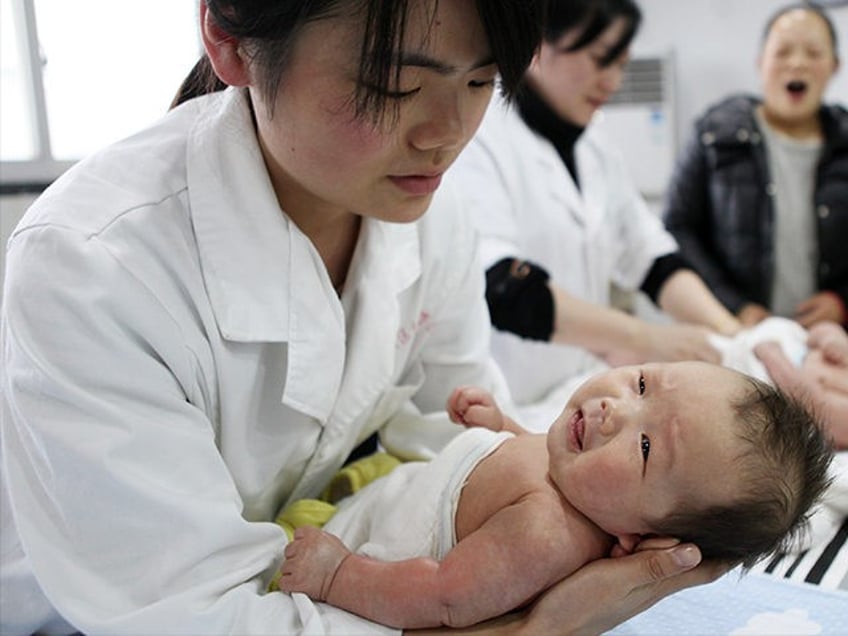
(36, 173)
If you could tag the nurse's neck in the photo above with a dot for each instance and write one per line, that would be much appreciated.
(561, 133)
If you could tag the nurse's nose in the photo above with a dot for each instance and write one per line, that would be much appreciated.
(442, 126)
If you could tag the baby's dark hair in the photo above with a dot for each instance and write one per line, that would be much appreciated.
(784, 473)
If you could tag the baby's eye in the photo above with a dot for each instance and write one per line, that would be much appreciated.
(641, 384)
(645, 445)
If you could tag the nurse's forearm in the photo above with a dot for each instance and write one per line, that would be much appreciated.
(598, 328)
(686, 298)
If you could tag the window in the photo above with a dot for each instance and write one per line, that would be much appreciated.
(79, 75)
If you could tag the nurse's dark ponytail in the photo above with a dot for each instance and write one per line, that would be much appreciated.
(201, 80)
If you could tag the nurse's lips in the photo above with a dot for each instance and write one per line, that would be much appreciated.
(576, 429)
(417, 184)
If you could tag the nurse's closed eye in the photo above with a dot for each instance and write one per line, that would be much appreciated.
(641, 384)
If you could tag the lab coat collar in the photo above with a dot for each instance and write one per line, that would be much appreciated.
(265, 280)
(243, 238)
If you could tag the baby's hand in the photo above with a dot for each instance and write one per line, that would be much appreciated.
(312, 559)
(472, 406)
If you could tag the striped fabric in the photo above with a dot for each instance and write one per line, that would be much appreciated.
(825, 564)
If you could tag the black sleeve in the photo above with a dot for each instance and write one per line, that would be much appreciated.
(661, 271)
(519, 299)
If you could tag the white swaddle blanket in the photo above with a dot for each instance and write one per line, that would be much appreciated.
(737, 352)
(410, 512)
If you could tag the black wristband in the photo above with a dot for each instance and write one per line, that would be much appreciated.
(519, 299)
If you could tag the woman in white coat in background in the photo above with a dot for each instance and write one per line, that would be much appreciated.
(201, 322)
(561, 220)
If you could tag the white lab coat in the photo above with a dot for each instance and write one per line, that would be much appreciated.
(177, 366)
(525, 204)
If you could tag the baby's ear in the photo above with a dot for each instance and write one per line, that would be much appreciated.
(626, 544)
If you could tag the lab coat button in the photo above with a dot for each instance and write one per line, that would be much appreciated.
(742, 134)
(708, 139)
(824, 211)
(755, 138)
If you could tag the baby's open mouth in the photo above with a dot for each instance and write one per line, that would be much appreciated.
(796, 87)
(576, 430)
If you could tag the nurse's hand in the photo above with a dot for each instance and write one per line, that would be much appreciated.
(751, 314)
(606, 592)
(674, 342)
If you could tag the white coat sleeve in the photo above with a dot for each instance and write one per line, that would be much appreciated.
(640, 233)
(124, 507)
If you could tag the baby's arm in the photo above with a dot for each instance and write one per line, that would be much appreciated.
(472, 406)
(485, 575)
(398, 594)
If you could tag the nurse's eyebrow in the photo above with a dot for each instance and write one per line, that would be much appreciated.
(425, 61)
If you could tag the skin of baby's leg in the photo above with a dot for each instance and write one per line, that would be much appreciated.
(312, 559)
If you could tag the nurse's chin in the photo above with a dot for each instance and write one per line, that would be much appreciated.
(407, 211)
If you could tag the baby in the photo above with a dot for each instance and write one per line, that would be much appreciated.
(687, 450)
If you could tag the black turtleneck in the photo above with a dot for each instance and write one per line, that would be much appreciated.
(561, 133)
(564, 135)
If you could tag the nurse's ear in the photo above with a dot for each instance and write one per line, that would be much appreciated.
(223, 50)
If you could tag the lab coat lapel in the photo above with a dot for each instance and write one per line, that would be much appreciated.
(597, 230)
(554, 178)
(389, 263)
(265, 280)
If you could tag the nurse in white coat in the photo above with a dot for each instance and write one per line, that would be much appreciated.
(561, 220)
(201, 322)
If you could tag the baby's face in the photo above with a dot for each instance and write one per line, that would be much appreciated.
(634, 442)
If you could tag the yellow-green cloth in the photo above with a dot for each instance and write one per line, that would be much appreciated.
(357, 475)
(317, 512)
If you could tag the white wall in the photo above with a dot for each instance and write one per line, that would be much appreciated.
(715, 44)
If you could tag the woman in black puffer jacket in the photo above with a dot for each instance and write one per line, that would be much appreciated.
(759, 199)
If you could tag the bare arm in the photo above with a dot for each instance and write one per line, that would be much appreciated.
(483, 576)
(603, 594)
(609, 332)
(685, 297)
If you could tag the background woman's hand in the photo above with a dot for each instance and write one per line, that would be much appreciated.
(821, 307)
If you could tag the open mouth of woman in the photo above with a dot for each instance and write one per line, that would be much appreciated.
(796, 87)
